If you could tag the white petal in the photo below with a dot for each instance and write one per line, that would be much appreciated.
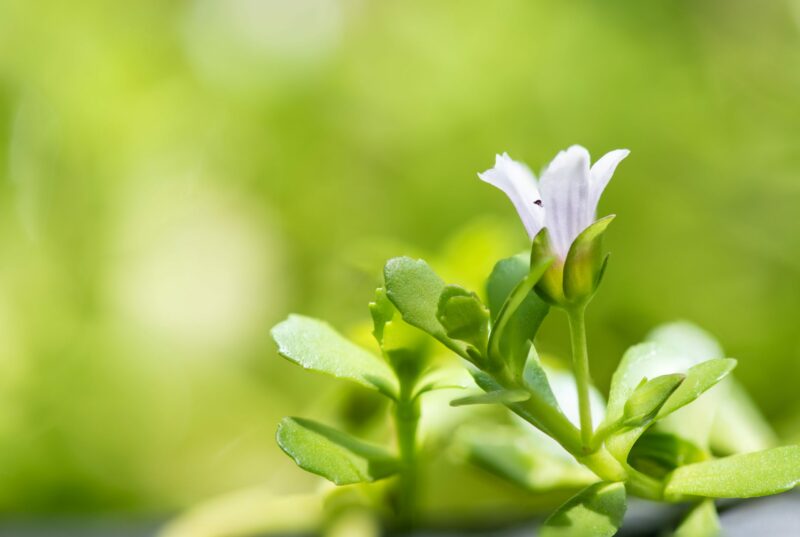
(601, 173)
(565, 195)
(519, 184)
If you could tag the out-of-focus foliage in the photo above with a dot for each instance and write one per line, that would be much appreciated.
(175, 177)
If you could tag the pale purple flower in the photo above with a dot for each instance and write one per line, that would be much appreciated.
(564, 200)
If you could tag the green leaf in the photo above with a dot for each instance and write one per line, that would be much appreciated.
(464, 317)
(520, 316)
(551, 285)
(502, 397)
(535, 379)
(698, 379)
(414, 288)
(584, 265)
(657, 454)
(700, 521)
(316, 346)
(597, 511)
(649, 397)
(505, 276)
(382, 312)
(333, 454)
(739, 476)
(648, 360)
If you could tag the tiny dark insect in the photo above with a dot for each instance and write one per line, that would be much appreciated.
(538, 202)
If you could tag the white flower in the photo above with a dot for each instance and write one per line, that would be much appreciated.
(565, 199)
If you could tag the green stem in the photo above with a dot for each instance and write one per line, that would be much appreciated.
(580, 366)
(407, 414)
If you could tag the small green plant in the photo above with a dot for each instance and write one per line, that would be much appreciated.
(402, 374)
(655, 439)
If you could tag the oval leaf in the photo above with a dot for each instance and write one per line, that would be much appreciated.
(596, 511)
(701, 521)
(333, 454)
(519, 318)
(698, 379)
(505, 276)
(650, 360)
(649, 397)
(315, 345)
(414, 289)
(464, 317)
(739, 476)
(503, 397)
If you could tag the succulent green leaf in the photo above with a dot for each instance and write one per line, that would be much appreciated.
(649, 397)
(333, 454)
(314, 345)
(582, 269)
(597, 511)
(646, 360)
(502, 397)
(739, 476)
(415, 289)
(657, 454)
(698, 379)
(519, 318)
(700, 521)
(652, 359)
(535, 379)
(464, 317)
(505, 276)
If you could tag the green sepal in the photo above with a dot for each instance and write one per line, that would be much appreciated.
(333, 454)
(646, 400)
(550, 286)
(596, 511)
(700, 521)
(502, 397)
(415, 289)
(464, 317)
(585, 265)
(314, 345)
(739, 476)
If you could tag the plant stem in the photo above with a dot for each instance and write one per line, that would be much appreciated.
(580, 366)
(406, 420)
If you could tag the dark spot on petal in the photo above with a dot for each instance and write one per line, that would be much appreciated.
(538, 202)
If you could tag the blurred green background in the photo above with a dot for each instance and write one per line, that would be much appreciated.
(178, 176)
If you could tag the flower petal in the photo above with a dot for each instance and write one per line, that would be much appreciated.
(565, 195)
(519, 184)
(601, 174)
